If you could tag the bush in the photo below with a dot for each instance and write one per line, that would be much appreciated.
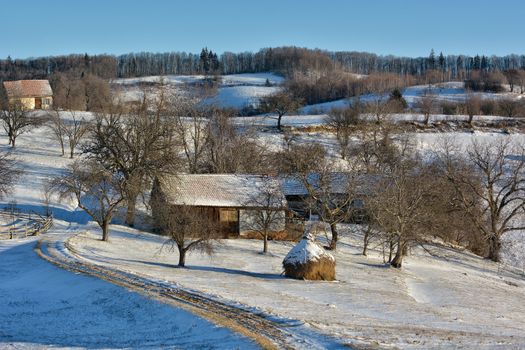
(489, 107)
(450, 108)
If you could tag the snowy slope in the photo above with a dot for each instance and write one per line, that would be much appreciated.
(427, 304)
(42, 306)
(448, 91)
(234, 90)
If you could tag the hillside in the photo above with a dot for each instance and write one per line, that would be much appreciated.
(442, 297)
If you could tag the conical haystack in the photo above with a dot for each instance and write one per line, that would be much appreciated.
(308, 260)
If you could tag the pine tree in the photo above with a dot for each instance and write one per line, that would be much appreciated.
(205, 60)
(432, 60)
(484, 63)
(441, 61)
(477, 63)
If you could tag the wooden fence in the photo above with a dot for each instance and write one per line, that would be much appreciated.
(23, 224)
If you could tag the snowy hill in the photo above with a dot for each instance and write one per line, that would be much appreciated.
(442, 299)
(233, 91)
(444, 92)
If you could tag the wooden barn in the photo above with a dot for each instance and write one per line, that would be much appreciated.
(229, 200)
(338, 186)
(29, 94)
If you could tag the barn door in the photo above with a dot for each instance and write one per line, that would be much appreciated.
(229, 221)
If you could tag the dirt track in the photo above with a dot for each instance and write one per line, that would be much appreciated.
(268, 333)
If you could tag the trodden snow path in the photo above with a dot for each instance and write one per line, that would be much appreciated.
(42, 306)
(266, 330)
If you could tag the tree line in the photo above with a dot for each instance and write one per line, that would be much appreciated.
(284, 60)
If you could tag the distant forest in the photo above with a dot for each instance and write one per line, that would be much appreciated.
(283, 60)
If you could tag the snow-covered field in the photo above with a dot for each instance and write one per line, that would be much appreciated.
(444, 92)
(234, 90)
(42, 306)
(451, 299)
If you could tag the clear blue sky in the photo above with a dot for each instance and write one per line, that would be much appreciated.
(33, 28)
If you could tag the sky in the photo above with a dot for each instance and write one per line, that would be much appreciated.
(33, 28)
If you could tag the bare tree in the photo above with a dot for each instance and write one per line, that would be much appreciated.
(427, 104)
(97, 191)
(379, 107)
(138, 144)
(233, 149)
(269, 215)
(400, 205)
(329, 195)
(9, 173)
(509, 107)
(472, 106)
(281, 103)
(187, 228)
(344, 121)
(492, 176)
(16, 121)
(191, 126)
(68, 130)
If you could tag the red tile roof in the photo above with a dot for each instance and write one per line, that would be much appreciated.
(28, 88)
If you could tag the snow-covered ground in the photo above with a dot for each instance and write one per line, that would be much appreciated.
(444, 92)
(42, 306)
(313, 120)
(451, 299)
(234, 90)
(448, 300)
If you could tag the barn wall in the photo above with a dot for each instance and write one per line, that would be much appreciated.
(246, 221)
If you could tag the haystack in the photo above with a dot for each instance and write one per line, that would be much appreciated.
(308, 260)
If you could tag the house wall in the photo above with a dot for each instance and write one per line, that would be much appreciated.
(247, 221)
(28, 103)
(25, 103)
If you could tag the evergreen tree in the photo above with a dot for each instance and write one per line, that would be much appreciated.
(441, 61)
(477, 63)
(484, 63)
(205, 60)
(432, 60)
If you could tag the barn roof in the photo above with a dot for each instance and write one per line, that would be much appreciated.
(335, 183)
(27, 88)
(224, 190)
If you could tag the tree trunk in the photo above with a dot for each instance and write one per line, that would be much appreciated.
(62, 148)
(390, 250)
(333, 242)
(105, 230)
(365, 241)
(265, 247)
(182, 257)
(71, 150)
(279, 122)
(398, 258)
(470, 118)
(130, 213)
(494, 248)
(427, 119)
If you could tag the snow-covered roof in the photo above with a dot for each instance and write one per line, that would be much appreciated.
(27, 88)
(224, 190)
(334, 183)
